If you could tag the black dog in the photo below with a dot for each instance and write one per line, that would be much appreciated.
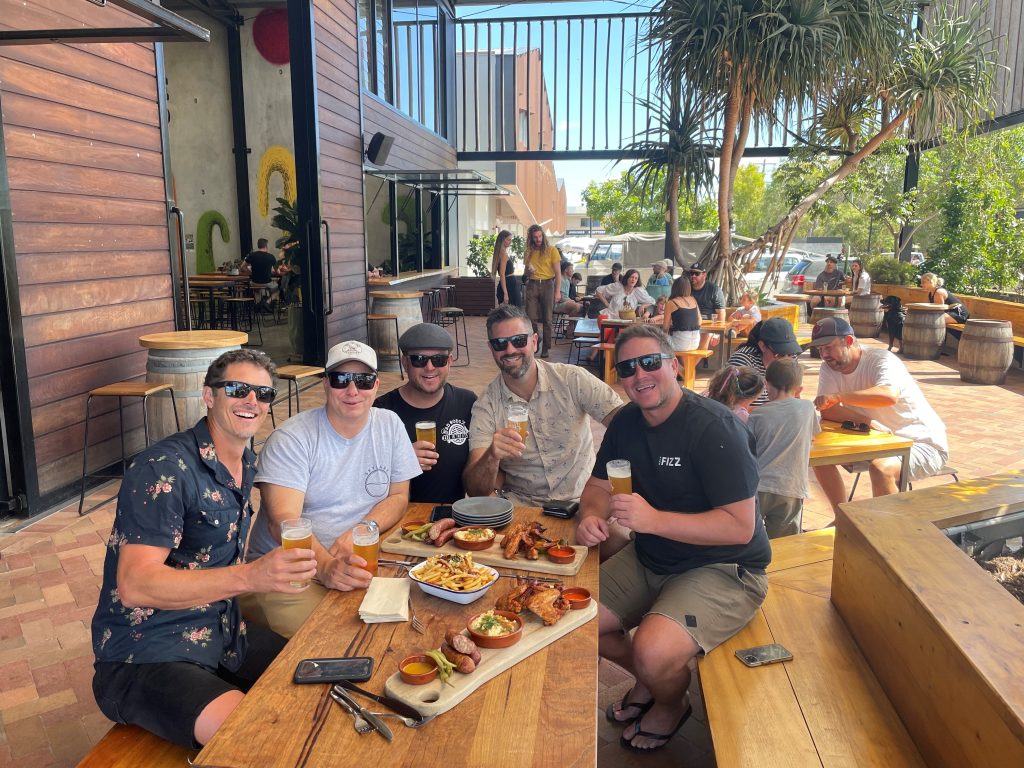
(892, 320)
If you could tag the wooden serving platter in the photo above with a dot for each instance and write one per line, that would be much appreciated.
(436, 698)
(395, 544)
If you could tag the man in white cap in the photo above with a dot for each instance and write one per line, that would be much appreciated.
(659, 274)
(869, 384)
(428, 397)
(336, 466)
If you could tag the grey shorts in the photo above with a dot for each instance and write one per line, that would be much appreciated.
(925, 461)
(712, 603)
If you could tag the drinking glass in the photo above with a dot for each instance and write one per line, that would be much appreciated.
(426, 431)
(297, 534)
(620, 475)
(518, 415)
(366, 543)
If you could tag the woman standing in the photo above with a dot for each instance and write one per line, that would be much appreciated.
(955, 311)
(682, 317)
(502, 265)
(860, 281)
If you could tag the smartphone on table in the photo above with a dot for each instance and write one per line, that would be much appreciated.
(441, 512)
(355, 668)
(763, 654)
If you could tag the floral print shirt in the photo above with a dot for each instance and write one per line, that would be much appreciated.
(178, 496)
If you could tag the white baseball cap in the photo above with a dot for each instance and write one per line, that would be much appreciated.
(351, 350)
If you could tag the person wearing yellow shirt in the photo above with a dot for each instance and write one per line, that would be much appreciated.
(542, 267)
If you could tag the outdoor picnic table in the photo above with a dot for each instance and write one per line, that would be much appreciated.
(835, 445)
(542, 711)
(839, 293)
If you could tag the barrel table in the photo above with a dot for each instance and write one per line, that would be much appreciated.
(820, 313)
(866, 315)
(924, 330)
(985, 351)
(180, 358)
(404, 305)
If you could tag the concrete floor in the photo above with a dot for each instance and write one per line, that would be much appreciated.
(50, 577)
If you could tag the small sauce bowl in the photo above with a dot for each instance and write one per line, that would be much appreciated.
(578, 597)
(408, 528)
(418, 670)
(564, 555)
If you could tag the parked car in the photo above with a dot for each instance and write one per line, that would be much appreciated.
(755, 278)
(804, 273)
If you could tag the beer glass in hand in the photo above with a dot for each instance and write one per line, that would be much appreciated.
(518, 415)
(426, 431)
(297, 534)
(620, 475)
(366, 543)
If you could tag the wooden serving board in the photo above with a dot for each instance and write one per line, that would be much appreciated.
(395, 544)
(436, 697)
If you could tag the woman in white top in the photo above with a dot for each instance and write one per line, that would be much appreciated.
(860, 281)
(625, 294)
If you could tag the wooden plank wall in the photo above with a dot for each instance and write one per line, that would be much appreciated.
(82, 134)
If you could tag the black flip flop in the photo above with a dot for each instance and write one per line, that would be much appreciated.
(665, 738)
(609, 712)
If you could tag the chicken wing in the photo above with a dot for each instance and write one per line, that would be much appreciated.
(547, 603)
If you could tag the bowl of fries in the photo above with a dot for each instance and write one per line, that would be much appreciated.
(454, 577)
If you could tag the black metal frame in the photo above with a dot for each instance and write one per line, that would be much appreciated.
(169, 26)
(240, 142)
(19, 483)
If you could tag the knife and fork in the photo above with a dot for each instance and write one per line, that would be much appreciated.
(365, 721)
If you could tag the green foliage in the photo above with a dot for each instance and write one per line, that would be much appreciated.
(481, 252)
(621, 208)
(286, 219)
(888, 269)
(204, 239)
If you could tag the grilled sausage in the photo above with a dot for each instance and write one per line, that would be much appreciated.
(446, 536)
(462, 662)
(440, 526)
(462, 644)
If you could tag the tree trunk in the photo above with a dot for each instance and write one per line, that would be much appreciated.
(672, 219)
(733, 106)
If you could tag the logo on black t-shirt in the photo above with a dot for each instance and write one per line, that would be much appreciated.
(455, 432)
(669, 461)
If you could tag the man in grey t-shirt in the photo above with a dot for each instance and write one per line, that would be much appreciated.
(336, 466)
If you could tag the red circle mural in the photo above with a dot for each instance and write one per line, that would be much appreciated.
(270, 34)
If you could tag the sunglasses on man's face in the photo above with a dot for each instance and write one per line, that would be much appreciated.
(240, 390)
(627, 368)
(341, 379)
(519, 341)
(420, 361)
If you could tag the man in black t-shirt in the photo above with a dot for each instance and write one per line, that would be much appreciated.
(694, 574)
(427, 396)
(260, 265)
(613, 276)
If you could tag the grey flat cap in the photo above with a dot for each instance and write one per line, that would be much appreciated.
(425, 336)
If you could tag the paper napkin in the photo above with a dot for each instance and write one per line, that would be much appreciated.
(386, 600)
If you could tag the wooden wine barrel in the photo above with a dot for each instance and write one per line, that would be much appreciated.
(866, 315)
(820, 313)
(986, 351)
(924, 330)
(405, 305)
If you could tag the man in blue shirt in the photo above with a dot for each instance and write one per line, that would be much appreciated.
(173, 654)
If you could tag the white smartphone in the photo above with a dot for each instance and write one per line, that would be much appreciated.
(763, 654)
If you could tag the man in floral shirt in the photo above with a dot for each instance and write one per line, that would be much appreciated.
(172, 653)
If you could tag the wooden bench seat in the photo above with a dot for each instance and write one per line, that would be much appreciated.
(127, 746)
(825, 707)
(688, 359)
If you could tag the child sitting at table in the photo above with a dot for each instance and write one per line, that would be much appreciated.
(736, 387)
(657, 311)
(783, 428)
(746, 316)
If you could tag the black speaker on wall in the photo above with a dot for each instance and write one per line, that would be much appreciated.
(379, 147)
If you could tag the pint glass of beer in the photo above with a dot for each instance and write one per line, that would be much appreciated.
(366, 543)
(620, 475)
(297, 534)
(426, 431)
(517, 415)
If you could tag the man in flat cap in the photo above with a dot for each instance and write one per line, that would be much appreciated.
(428, 397)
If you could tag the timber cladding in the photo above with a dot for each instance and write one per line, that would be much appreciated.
(81, 129)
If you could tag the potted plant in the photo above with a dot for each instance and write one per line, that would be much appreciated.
(476, 295)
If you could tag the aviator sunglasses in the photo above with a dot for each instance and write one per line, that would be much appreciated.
(420, 361)
(240, 390)
(627, 368)
(341, 379)
(519, 341)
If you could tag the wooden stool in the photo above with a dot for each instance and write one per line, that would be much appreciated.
(120, 390)
(397, 356)
(293, 374)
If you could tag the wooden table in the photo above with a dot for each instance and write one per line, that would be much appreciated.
(210, 284)
(540, 712)
(835, 445)
(839, 293)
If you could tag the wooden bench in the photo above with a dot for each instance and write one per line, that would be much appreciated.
(688, 359)
(825, 707)
(1018, 341)
(127, 746)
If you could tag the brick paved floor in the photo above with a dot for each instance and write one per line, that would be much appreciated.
(50, 576)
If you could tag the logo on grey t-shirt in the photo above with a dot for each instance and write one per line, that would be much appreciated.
(455, 432)
(378, 481)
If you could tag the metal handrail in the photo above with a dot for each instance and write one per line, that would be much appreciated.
(327, 247)
(179, 215)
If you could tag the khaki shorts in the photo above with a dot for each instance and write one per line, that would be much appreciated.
(712, 602)
(281, 612)
(782, 514)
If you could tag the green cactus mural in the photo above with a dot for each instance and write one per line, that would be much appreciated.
(204, 239)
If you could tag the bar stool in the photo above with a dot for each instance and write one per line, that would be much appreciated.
(243, 308)
(293, 374)
(119, 390)
(397, 357)
(455, 317)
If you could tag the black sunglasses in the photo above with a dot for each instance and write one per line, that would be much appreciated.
(438, 361)
(240, 390)
(627, 368)
(519, 341)
(855, 427)
(341, 379)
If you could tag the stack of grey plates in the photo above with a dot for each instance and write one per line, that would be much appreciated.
(482, 512)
